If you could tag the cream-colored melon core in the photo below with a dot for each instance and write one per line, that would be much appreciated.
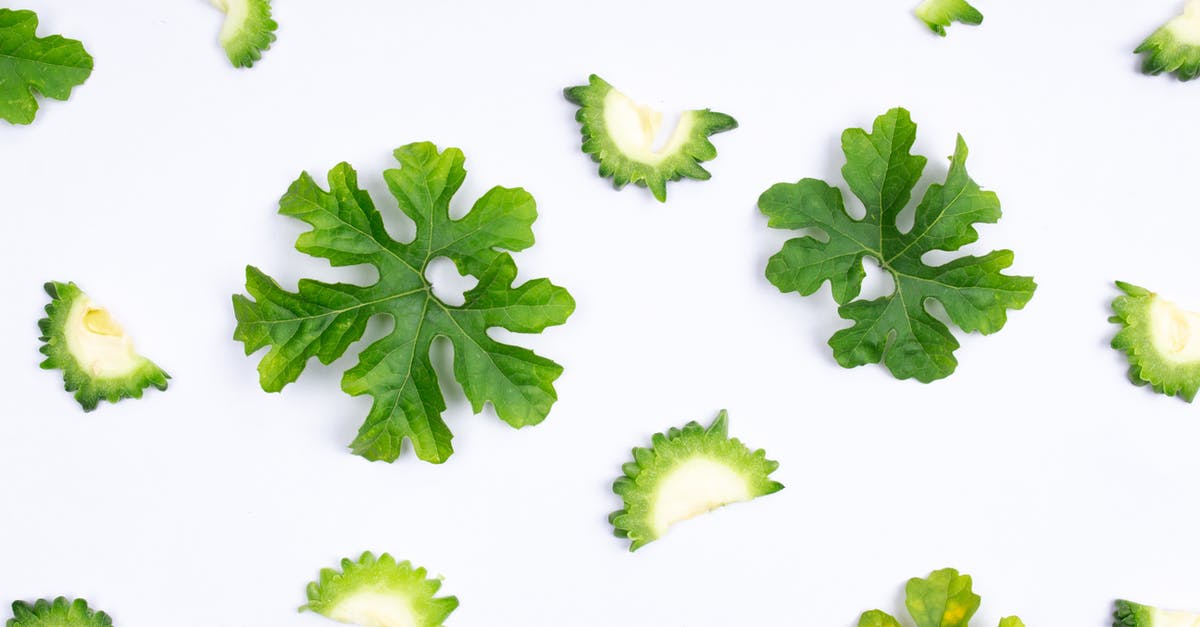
(696, 486)
(1186, 27)
(1174, 331)
(236, 14)
(1168, 618)
(375, 609)
(97, 342)
(634, 128)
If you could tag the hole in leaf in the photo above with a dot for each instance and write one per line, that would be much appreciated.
(878, 282)
(441, 356)
(935, 308)
(398, 226)
(447, 284)
(854, 207)
(935, 258)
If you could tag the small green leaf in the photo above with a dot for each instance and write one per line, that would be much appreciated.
(876, 618)
(322, 319)
(50, 66)
(944, 599)
(896, 329)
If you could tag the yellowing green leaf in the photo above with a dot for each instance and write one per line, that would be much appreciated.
(944, 599)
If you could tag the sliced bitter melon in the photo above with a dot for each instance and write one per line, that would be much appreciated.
(60, 612)
(1161, 340)
(379, 593)
(687, 472)
(1175, 46)
(96, 356)
(939, 14)
(1135, 615)
(620, 134)
(248, 29)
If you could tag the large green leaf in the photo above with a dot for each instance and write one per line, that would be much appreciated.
(50, 66)
(322, 320)
(896, 329)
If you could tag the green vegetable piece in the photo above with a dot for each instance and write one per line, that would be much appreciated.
(248, 30)
(322, 320)
(60, 612)
(379, 593)
(896, 329)
(939, 14)
(1130, 614)
(1175, 46)
(944, 599)
(50, 66)
(1161, 341)
(94, 353)
(687, 472)
(877, 618)
(620, 135)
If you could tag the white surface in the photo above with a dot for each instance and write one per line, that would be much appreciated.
(1035, 467)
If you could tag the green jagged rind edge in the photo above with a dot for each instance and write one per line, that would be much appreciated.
(1146, 367)
(614, 164)
(382, 574)
(88, 391)
(61, 612)
(1129, 614)
(667, 450)
(255, 36)
(963, 14)
(1163, 52)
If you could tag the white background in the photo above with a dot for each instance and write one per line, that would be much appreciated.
(1035, 467)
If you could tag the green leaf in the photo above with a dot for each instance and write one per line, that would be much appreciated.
(49, 66)
(322, 320)
(876, 618)
(944, 599)
(896, 329)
